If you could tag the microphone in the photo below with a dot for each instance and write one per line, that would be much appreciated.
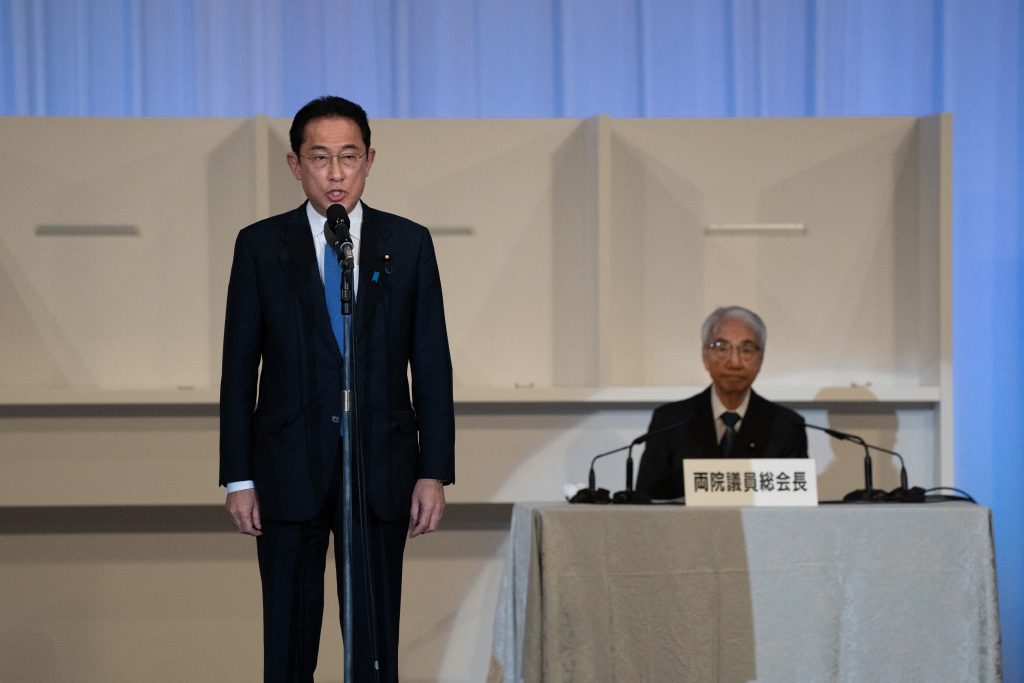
(592, 494)
(904, 493)
(868, 492)
(337, 234)
(629, 495)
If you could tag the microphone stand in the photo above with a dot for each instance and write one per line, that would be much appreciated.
(630, 495)
(868, 493)
(348, 626)
(338, 218)
(592, 494)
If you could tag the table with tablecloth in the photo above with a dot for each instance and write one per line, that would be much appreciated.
(893, 592)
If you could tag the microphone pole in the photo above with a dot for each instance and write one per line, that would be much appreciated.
(629, 470)
(630, 495)
(337, 234)
(592, 494)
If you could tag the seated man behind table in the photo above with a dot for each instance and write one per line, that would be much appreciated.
(733, 347)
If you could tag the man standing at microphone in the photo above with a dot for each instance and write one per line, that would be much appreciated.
(281, 398)
(728, 419)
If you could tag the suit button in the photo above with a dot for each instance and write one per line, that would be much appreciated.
(335, 419)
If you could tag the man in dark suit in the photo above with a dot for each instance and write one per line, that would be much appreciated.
(728, 419)
(281, 398)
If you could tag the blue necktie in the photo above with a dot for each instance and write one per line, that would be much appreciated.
(725, 447)
(332, 292)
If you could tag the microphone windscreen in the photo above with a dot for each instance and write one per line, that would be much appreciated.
(336, 214)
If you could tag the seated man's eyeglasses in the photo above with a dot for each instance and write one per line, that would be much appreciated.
(721, 349)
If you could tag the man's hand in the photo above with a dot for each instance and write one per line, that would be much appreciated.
(245, 511)
(427, 507)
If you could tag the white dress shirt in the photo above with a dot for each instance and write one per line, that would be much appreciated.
(717, 408)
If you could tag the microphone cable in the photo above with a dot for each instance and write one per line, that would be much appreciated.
(359, 463)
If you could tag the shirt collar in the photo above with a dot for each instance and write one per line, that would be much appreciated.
(717, 407)
(317, 222)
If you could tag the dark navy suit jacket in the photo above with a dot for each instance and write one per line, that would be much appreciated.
(282, 432)
(768, 430)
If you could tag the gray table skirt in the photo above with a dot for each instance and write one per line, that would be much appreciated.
(833, 593)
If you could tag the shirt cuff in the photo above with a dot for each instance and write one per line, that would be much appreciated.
(233, 486)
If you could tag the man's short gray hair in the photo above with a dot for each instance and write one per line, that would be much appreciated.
(723, 313)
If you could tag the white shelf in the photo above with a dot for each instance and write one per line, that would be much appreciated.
(32, 396)
(664, 394)
(40, 396)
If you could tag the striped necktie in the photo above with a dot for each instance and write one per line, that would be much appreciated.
(725, 447)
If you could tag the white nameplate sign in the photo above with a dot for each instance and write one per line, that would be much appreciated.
(750, 482)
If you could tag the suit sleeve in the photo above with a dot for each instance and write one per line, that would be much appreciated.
(796, 441)
(798, 444)
(431, 365)
(655, 474)
(239, 367)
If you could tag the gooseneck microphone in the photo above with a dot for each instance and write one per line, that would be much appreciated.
(903, 465)
(336, 232)
(868, 492)
(904, 493)
(592, 494)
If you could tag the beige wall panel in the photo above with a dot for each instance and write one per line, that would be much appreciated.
(506, 183)
(114, 310)
(129, 607)
(104, 459)
(829, 295)
(238, 195)
(171, 607)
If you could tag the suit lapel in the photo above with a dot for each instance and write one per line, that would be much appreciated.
(754, 428)
(298, 256)
(702, 428)
(372, 276)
